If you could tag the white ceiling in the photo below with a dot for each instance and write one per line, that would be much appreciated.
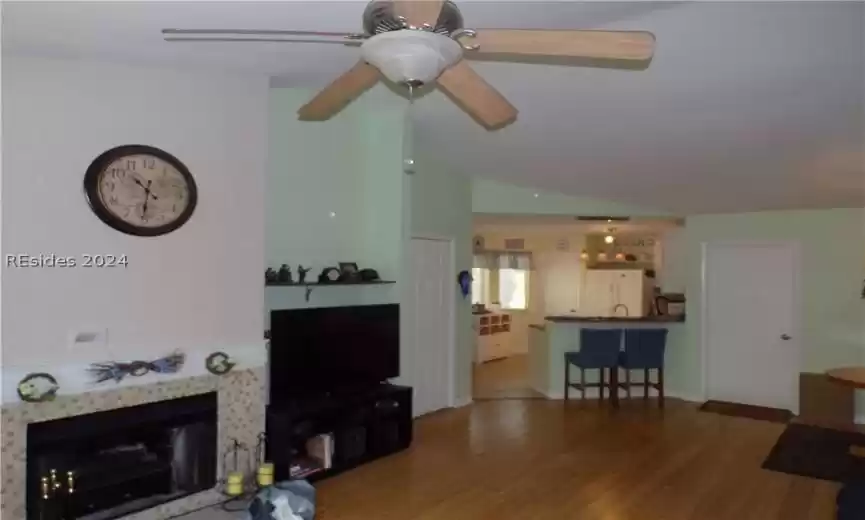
(746, 106)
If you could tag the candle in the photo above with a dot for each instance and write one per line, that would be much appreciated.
(234, 485)
(265, 474)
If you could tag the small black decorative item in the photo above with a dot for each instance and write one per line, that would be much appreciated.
(301, 273)
(271, 276)
(348, 272)
(464, 279)
(368, 275)
(219, 363)
(117, 371)
(329, 275)
(284, 274)
(37, 387)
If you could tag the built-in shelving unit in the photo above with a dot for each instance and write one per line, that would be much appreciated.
(311, 285)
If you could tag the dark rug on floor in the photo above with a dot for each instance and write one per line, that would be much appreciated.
(760, 413)
(812, 451)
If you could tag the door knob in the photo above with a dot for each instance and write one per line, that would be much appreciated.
(785, 337)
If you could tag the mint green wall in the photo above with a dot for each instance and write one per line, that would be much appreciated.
(349, 166)
(441, 206)
(498, 198)
(832, 270)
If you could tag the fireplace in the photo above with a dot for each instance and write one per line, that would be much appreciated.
(113, 463)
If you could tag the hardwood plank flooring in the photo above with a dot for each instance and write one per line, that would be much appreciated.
(504, 379)
(543, 460)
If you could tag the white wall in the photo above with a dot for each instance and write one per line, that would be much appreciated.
(199, 288)
(335, 194)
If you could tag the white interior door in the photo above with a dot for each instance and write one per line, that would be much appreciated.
(750, 323)
(430, 334)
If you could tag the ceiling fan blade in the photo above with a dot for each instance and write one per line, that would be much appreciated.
(350, 43)
(616, 45)
(171, 33)
(419, 12)
(340, 93)
(475, 96)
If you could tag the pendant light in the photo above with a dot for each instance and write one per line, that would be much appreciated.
(609, 239)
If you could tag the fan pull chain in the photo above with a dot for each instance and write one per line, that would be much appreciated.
(407, 138)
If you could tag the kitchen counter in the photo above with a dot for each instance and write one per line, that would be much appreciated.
(615, 319)
(561, 334)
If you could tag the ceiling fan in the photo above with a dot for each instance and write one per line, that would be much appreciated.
(419, 42)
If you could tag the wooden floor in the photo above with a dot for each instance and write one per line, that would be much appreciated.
(506, 378)
(542, 460)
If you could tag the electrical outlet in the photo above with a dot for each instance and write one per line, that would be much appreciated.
(91, 337)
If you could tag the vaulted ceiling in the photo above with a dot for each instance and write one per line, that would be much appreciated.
(746, 106)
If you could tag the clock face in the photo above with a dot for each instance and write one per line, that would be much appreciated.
(140, 190)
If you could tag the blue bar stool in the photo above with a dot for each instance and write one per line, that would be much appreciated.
(644, 349)
(599, 349)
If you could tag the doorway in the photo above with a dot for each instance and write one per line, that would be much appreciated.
(750, 323)
(428, 353)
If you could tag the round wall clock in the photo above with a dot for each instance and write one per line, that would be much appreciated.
(140, 190)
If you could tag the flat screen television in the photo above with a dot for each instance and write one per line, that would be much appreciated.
(332, 349)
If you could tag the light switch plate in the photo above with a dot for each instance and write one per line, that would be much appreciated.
(88, 338)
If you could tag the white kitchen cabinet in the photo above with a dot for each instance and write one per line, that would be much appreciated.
(494, 336)
(605, 291)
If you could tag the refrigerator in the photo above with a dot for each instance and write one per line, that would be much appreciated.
(616, 292)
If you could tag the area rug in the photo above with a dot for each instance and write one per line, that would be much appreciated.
(822, 453)
(760, 413)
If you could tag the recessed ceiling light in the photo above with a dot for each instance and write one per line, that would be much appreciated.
(537, 195)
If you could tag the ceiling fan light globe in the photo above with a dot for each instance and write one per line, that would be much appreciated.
(411, 55)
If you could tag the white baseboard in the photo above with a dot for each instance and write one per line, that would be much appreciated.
(463, 401)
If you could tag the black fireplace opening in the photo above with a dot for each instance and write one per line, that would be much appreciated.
(110, 464)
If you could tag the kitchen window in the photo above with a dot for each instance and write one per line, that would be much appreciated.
(513, 280)
(480, 285)
(514, 289)
(502, 279)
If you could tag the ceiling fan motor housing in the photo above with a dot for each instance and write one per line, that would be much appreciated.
(411, 56)
(380, 16)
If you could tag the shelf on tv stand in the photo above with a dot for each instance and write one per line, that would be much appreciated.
(311, 285)
(384, 414)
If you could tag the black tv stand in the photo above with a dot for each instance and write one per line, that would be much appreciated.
(365, 425)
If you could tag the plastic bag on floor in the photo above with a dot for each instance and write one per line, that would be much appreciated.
(290, 500)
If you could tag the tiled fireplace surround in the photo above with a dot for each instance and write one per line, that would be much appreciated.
(241, 415)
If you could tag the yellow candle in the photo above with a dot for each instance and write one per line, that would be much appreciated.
(265, 474)
(234, 485)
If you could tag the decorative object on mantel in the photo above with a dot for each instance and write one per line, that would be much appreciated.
(369, 275)
(270, 276)
(301, 273)
(219, 363)
(329, 275)
(284, 275)
(464, 279)
(117, 371)
(37, 387)
(348, 272)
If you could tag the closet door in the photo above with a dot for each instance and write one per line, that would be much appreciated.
(430, 333)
